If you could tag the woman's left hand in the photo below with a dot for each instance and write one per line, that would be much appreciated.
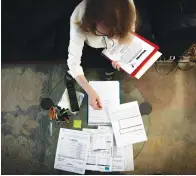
(116, 65)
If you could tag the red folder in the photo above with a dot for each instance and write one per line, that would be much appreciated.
(156, 48)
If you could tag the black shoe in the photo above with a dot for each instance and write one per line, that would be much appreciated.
(108, 76)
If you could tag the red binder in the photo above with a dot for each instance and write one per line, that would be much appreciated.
(156, 48)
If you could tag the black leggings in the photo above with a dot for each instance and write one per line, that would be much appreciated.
(92, 58)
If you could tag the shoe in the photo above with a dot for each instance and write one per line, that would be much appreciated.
(108, 76)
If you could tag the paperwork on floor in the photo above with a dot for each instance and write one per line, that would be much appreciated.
(111, 158)
(72, 150)
(109, 93)
(107, 148)
(127, 124)
(99, 158)
(122, 157)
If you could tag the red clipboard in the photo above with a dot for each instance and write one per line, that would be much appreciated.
(156, 48)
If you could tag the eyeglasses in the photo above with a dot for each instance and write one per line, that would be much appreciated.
(104, 37)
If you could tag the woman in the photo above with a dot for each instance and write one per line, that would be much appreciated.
(98, 23)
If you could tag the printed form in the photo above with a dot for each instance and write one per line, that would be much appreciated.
(127, 124)
(130, 55)
(122, 157)
(109, 92)
(72, 151)
(99, 159)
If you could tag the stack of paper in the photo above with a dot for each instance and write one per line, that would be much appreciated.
(110, 158)
(135, 58)
(109, 93)
(100, 150)
(122, 158)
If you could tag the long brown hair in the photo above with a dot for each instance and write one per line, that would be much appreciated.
(117, 15)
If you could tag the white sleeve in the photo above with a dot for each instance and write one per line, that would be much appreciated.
(76, 45)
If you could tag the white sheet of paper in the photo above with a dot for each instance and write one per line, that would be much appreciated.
(127, 124)
(92, 155)
(100, 160)
(127, 54)
(99, 141)
(128, 158)
(72, 151)
(109, 92)
(118, 159)
(105, 128)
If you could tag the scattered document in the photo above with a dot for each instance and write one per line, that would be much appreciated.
(101, 159)
(109, 92)
(122, 157)
(72, 151)
(99, 141)
(128, 158)
(118, 160)
(127, 124)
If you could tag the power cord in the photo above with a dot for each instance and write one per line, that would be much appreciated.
(187, 69)
(174, 66)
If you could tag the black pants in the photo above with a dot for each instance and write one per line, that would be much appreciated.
(92, 58)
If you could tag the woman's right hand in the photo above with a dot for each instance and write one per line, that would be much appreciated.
(93, 97)
(94, 100)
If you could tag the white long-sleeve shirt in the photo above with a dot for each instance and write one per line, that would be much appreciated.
(77, 39)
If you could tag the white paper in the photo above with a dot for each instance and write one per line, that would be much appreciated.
(72, 151)
(92, 155)
(148, 64)
(128, 158)
(107, 128)
(109, 93)
(130, 55)
(100, 160)
(99, 141)
(65, 103)
(122, 157)
(118, 159)
(127, 124)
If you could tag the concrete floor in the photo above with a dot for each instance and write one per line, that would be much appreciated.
(171, 145)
